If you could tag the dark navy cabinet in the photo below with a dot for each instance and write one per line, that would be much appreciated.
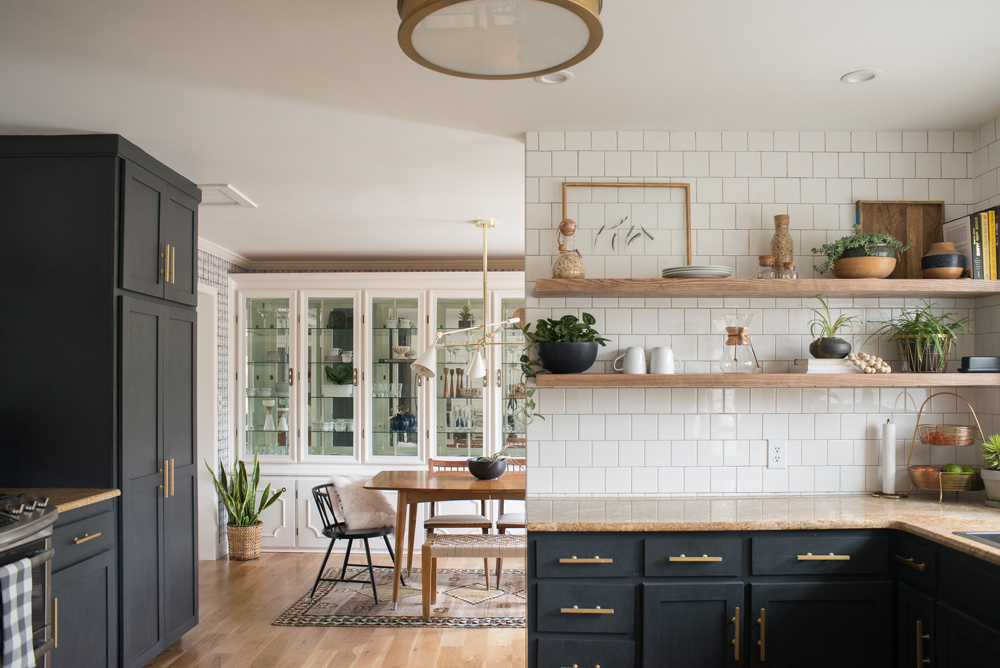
(99, 261)
(771, 598)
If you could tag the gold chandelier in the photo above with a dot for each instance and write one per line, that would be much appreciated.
(499, 39)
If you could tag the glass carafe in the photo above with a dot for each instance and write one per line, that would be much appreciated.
(738, 355)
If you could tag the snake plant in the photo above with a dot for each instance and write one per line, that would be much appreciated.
(238, 492)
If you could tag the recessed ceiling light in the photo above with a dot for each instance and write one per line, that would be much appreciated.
(555, 78)
(860, 76)
(223, 194)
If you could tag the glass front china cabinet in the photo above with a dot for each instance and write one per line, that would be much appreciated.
(460, 400)
(332, 381)
(511, 379)
(393, 387)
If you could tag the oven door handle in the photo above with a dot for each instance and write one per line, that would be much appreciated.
(41, 557)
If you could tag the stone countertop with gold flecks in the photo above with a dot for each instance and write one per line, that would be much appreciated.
(920, 515)
(65, 498)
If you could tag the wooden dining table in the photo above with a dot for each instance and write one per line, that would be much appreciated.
(415, 487)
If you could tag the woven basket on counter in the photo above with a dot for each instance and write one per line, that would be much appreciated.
(244, 542)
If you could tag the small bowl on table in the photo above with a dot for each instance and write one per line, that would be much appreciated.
(487, 470)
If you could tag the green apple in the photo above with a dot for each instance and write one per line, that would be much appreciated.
(951, 468)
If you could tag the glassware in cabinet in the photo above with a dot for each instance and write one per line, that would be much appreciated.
(513, 429)
(332, 376)
(460, 399)
(267, 379)
(393, 385)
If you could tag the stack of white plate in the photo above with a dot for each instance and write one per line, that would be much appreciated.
(698, 271)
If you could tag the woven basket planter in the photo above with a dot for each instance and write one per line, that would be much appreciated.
(244, 542)
(925, 359)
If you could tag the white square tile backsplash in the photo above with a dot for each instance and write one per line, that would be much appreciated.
(687, 441)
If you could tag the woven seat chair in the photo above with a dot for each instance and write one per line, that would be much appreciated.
(493, 546)
(510, 520)
(336, 530)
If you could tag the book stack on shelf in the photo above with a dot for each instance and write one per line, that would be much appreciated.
(824, 366)
(976, 237)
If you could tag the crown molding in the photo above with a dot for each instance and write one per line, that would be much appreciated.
(365, 264)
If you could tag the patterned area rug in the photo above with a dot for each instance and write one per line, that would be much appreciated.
(463, 601)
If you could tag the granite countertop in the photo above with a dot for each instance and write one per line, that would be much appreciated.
(65, 498)
(920, 515)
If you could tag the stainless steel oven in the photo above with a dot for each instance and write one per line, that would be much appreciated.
(26, 532)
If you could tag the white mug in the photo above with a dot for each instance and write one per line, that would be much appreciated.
(347, 356)
(663, 361)
(635, 361)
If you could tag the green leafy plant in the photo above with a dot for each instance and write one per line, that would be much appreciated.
(238, 492)
(466, 314)
(568, 329)
(828, 327)
(991, 452)
(857, 239)
(926, 329)
(526, 412)
(342, 375)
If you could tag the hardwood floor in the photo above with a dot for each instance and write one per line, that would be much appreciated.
(239, 600)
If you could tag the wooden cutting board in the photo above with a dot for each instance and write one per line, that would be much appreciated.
(919, 222)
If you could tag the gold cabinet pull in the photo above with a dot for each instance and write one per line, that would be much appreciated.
(55, 622)
(703, 557)
(736, 639)
(499, 371)
(166, 263)
(576, 666)
(921, 637)
(86, 537)
(163, 269)
(291, 376)
(595, 560)
(911, 563)
(809, 556)
(763, 641)
(420, 380)
(355, 377)
(166, 479)
(173, 264)
(577, 610)
(173, 477)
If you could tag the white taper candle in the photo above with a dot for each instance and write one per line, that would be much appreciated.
(888, 458)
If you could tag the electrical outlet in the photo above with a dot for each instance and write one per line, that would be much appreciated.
(776, 454)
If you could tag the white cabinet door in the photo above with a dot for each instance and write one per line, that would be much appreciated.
(308, 521)
(279, 519)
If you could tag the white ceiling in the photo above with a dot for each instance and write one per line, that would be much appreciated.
(311, 110)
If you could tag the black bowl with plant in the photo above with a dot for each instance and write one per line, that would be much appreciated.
(923, 339)
(858, 244)
(826, 344)
(567, 345)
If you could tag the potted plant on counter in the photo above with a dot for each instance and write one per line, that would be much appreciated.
(991, 473)
(860, 255)
(238, 492)
(339, 381)
(922, 338)
(566, 345)
(827, 345)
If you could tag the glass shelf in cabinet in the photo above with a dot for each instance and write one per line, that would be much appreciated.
(400, 433)
(395, 329)
(407, 360)
(400, 397)
(267, 431)
(330, 431)
(262, 330)
(330, 329)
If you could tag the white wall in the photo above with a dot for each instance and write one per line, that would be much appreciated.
(713, 441)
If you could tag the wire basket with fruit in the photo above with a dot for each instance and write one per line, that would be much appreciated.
(950, 477)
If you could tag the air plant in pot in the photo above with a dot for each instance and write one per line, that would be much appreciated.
(923, 339)
(489, 467)
(991, 472)
(826, 345)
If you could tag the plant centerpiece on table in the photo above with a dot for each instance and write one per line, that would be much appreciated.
(991, 473)
(238, 492)
(566, 345)
(339, 381)
(922, 338)
(860, 255)
(491, 467)
(826, 345)
(466, 318)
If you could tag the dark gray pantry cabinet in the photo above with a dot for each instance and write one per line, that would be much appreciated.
(99, 268)
(784, 599)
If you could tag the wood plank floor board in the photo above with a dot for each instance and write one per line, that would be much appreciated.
(239, 600)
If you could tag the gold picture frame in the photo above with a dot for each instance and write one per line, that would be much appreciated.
(687, 200)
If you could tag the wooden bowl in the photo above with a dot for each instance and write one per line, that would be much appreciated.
(943, 265)
(864, 267)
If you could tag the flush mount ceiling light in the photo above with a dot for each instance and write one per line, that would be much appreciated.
(860, 76)
(499, 39)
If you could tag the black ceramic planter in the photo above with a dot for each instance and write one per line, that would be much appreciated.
(487, 470)
(464, 324)
(561, 357)
(829, 349)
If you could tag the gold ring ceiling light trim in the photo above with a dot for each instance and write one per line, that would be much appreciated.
(499, 39)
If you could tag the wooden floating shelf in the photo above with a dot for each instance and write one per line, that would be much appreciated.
(762, 287)
(769, 380)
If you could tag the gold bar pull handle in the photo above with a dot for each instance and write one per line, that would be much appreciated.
(55, 623)
(166, 264)
(355, 377)
(577, 610)
(173, 264)
(166, 479)
(736, 638)
(173, 477)
(762, 643)
(86, 537)
(499, 371)
(921, 637)
(911, 563)
(166, 261)
(595, 560)
(291, 376)
(703, 557)
(809, 556)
